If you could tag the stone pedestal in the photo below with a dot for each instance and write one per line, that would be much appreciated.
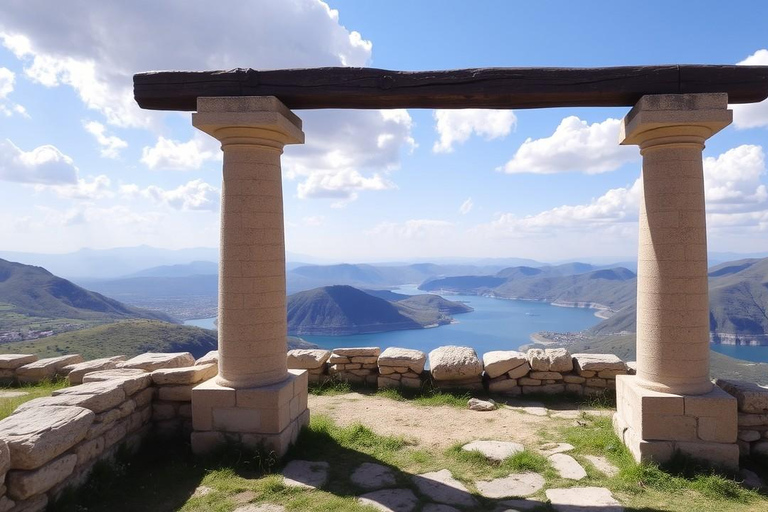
(670, 404)
(254, 398)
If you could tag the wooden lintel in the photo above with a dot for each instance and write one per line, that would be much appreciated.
(502, 88)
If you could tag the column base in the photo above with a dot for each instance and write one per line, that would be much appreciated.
(654, 425)
(270, 416)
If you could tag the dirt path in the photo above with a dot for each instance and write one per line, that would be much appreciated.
(443, 426)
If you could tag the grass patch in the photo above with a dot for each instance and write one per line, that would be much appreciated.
(41, 389)
(428, 396)
(330, 388)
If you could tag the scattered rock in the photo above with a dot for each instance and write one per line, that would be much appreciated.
(494, 450)
(499, 362)
(454, 363)
(440, 486)
(414, 360)
(373, 476)
(306, 474)
(475, 404)
(603, 465)
(391, 500)
(522, 484)
(211, 357)
(202, 491)
(553, 448)
(567, 466)
(583, 499)
(751, 479)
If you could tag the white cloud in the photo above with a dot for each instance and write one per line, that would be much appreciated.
(456, 126)
(183, 156)
(752, 115)
(575, 146)
(466, 206)
(733, 180)
(314, 220)
(413, 229)
(44, 164)
(343, 184)
(99, 187)
(194, 195)
(7, 107)
(111, 144)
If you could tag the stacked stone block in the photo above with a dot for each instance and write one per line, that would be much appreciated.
(355, 365)
(597, 373)
(454, 367)
(76, 372)
(401, 367)
(314, 361)
(752, 421)
(503, 368)
(172, 411)
(46, 369)
(53, 442)
(548, 368)
(9, 363)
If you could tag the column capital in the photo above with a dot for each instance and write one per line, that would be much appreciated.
(250, 120)
(675, 119)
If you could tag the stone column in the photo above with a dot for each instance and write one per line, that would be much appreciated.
(254, 398)
(671, 404)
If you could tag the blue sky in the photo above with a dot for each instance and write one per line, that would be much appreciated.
(82, 166)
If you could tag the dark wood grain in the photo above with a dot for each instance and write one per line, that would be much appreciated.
(518, 88)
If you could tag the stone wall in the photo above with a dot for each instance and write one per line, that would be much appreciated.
(752, 403)
(550, 371)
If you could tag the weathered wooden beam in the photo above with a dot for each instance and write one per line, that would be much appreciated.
(519, 88)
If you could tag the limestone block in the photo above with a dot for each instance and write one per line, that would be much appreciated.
(474, 383)
(499, 362)
(526, 381)
(551, 389)
(96, 396)
(307, 359)
(76, 372)
(546, 375)
(560, 360)
(88, 450)
(25, 484)
(13, 361)
(505, 387)
(399, 369)
(574, 379)
(5, 459)
(577, 389)
(36, 504)
(521, 371)
(45, 368)
(596, 383)
(6, 504)
(115, 434)
(175, 393)
(363, 359)
(132, 380)
(335, 359)
(749, 435)
(127, 408)
(598, 363)
(751, 397)
(357, 351)
(386, 370)
(413, 360)
(211, 357)
(537, 360)
(610, 374)
(152, 361)
(184, 376)
(409, 382)
(144, 397)
(37, 435)
(452, 363)
(725, 455)
(587, 374)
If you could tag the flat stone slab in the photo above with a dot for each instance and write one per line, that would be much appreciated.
(357, 351)
(750, 397)
(598, 362)
(453, 363)
(184, 376)
(46, 368)
(567, 466)
(414, 360)
(23, 485)
(373, 476)
(12, 394)
(602, 465)
(520, 484)
(37, 435)
(95, 396)
(210, 357)
(307, 359)
(306, 474)
(152, 361)
(583, 499)
(132, 380)
(391, 500)
(76, 372)
(550, 360)
(440, 486)
(494, 450)
(13, 361)
(499, 362)
(553, 448)
(518, 505)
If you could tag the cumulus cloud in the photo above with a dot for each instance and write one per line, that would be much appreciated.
(752, 115)
(733, 180)
(43, 164)
(110, 144)
(194, 195)
(181, 156)
(7, 107)
(466, 206)
(456, 126)
(99, 187)
(575, 146)
(413, 229)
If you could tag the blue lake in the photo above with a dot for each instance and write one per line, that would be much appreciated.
(495, 324)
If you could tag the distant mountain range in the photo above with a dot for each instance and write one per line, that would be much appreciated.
(33, 292)
(344, 310)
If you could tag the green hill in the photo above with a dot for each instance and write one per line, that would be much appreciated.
(623, 345)
(28, 292)
(342, 310)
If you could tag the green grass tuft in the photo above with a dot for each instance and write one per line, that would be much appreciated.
(526, 461)
(330, 388)
(41, 389)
